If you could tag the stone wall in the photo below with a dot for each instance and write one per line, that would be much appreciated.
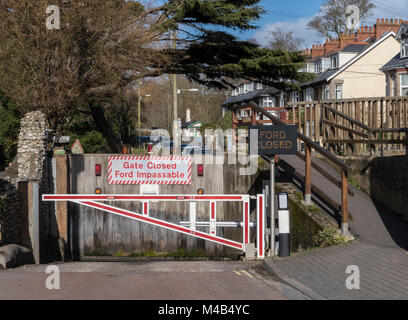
(385, 180)
(32, 166)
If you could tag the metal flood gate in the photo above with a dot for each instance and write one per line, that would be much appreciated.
(97, 201)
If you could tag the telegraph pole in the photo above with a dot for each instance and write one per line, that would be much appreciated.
(175, 116)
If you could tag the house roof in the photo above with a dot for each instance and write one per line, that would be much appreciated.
(396, 63)
(362, 54)
(321, 77)
(355, 47)
(403, 29)
(267, 91)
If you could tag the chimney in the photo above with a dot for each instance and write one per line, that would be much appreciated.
(364, 33)
(188, 116)
(347, 39)
(317, 51)
(382, 27)
(331, 46)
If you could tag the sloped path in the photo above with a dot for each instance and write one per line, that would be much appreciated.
(380, 250)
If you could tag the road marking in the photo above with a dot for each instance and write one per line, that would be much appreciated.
(237, 272)
(247, 273)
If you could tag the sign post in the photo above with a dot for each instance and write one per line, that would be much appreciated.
(270, 141)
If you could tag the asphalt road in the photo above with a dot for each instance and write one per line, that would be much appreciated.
(147, 280)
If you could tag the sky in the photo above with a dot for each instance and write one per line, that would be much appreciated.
(294, 15)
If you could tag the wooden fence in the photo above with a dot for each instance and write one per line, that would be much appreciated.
(364, 126)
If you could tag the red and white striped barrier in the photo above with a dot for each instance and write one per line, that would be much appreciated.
(94, 201)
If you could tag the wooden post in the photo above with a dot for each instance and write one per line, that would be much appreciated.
(62, 187)
(308, 175)
(344, 204)
(253, 116)
(317, 123)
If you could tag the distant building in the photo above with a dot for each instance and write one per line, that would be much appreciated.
(396, 70)
(349, 67)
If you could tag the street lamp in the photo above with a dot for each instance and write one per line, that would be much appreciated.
(139, 102)
(175, 120)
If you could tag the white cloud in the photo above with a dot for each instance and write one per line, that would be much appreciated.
(299, 27)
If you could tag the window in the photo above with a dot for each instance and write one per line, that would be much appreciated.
(339, 91)
(334, 62)
(237, 90)
(394, 91)
(318, 67)
(259, 86)
(326, 92)
(404, 84)
(404, 48)
(244, 114)
(295, 96)
(248, 87)
(268, 102)
(309, 94)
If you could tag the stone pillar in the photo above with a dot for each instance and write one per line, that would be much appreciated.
(33, 180)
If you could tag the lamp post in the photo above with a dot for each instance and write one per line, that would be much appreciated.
(139, 103)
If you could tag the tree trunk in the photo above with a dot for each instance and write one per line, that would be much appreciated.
(105, 128)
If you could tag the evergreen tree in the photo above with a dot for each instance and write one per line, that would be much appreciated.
(104, 47)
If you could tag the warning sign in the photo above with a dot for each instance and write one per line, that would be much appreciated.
(149, 170)
(273, 140)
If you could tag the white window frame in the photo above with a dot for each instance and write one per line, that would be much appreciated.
(319, 66)
(248, 87)
(309, 94)
(404, 86)
(404, 48)
(326, 92)
(338, 89)
(334, 62)
(295, 96)
(259, 86)
(394, 85)
(268, 102)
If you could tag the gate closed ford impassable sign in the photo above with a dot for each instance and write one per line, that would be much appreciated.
(149, 170)
(273, 140)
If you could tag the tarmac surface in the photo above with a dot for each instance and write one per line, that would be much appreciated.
(147, 280)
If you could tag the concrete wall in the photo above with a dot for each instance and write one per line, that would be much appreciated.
(384, 179)
(95, 232)
(364, 78)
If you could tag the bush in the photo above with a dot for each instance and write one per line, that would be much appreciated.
(92, 142)
(328, 237)
(9, 129)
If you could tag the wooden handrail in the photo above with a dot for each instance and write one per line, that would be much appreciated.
(341, 114)
(310, 144)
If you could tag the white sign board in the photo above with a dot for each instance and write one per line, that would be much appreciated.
(149, 170)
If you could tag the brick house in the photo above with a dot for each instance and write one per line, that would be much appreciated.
(396, 70)
(349, 67)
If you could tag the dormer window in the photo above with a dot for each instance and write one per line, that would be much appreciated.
(334, 62)
(404, 48)
(318, 66)
(248, 87)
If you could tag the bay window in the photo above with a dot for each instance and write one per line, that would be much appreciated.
(404, 84)
(404, 48)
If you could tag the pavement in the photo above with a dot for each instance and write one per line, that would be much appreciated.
(380, 251)
(147, 280)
